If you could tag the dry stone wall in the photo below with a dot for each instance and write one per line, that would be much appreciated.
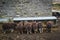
(26, 8)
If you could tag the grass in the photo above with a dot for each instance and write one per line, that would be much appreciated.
(56, 6)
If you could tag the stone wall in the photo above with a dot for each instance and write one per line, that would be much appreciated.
(26, 8)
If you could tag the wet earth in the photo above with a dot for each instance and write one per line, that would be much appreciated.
(38, 36)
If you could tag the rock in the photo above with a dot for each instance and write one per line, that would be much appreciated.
(26, 8)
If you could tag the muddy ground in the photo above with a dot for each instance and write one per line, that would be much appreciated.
(54, 35)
